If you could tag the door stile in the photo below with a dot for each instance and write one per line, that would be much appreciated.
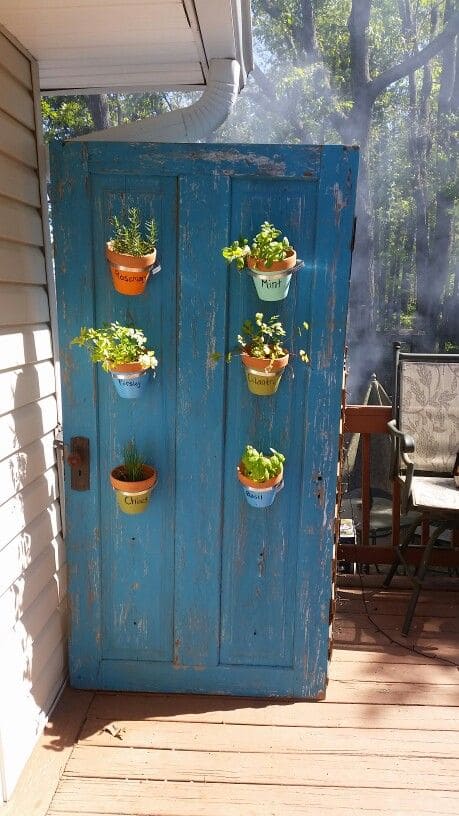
(336, 198)
(202, 317)
(71, 200)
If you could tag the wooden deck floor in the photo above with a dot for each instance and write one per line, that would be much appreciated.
(385, 741)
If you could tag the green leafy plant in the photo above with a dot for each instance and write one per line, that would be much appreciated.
(263, 339)
(258, 467)
(129, 239)
(133, 464)
(265, 246)
(114, 344)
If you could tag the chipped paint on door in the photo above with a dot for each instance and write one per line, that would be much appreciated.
(203, 593)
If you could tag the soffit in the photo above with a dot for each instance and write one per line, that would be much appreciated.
(97, 45)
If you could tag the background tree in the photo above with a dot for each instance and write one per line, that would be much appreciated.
(385, 75)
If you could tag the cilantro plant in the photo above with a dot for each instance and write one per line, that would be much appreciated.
(258, 467)
(263, 339)
(114, 344)
(129, 239)
(265, 246)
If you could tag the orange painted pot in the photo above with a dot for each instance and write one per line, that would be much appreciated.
(133, 497)
(263, 376)
(130, 273)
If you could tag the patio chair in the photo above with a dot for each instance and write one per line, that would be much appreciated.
(425, 441)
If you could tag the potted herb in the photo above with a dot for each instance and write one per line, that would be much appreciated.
(261, 476)
(269, 258)
(262, 351)
(133, 481)
(131, 253)
(121, 350)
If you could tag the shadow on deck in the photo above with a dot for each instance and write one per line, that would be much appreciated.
(385, 741)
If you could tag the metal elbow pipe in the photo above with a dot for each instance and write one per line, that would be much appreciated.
(190, 124)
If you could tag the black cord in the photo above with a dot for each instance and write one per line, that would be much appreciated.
(381, 631)
(411, 648)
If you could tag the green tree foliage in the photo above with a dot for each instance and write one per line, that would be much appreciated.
(383, 74)
(65, 116)
(380, 73)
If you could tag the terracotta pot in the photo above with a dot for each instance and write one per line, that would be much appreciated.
(133, 497)
(263, 376)
(127, 368)
(277, 266)
(260, 494)
(250, 482)
(130, 273)
(272, 283)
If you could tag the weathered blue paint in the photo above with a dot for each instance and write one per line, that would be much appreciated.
(202, 592)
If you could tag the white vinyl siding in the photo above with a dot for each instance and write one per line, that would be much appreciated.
(33, 616)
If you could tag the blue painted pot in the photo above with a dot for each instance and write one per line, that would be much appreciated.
(272, 282)
(272, 287)
(258, 496)
(130, 386)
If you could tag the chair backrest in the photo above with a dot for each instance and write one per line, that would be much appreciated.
(426, 406)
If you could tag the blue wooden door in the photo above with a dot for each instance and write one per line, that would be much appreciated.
(203, 593)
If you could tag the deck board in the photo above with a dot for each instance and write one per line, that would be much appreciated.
(384, 742)
(191, 736)
(264, 768)
(144, 798)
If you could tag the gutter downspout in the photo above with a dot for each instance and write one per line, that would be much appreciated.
(190, 124)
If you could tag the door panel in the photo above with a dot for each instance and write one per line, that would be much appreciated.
(203, 593)
(138, 561)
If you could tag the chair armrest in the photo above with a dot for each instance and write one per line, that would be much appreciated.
(407, 443)
(402, 444)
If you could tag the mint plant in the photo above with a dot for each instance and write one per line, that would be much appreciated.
(258, 467)
(265, 247)
(114, 344)
(128, 238)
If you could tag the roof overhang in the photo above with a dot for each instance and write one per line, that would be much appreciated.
(95, 46)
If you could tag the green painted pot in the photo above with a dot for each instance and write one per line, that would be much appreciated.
(263, 376)
(262, 384)
(133, 497)
(133, 503)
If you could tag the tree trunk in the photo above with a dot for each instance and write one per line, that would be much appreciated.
(361, 318)
(424, 323)
(445, 319)
(98, 108)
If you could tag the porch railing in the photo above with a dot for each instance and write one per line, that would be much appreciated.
(368, 420)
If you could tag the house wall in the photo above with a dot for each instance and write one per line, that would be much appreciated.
(32, 558)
